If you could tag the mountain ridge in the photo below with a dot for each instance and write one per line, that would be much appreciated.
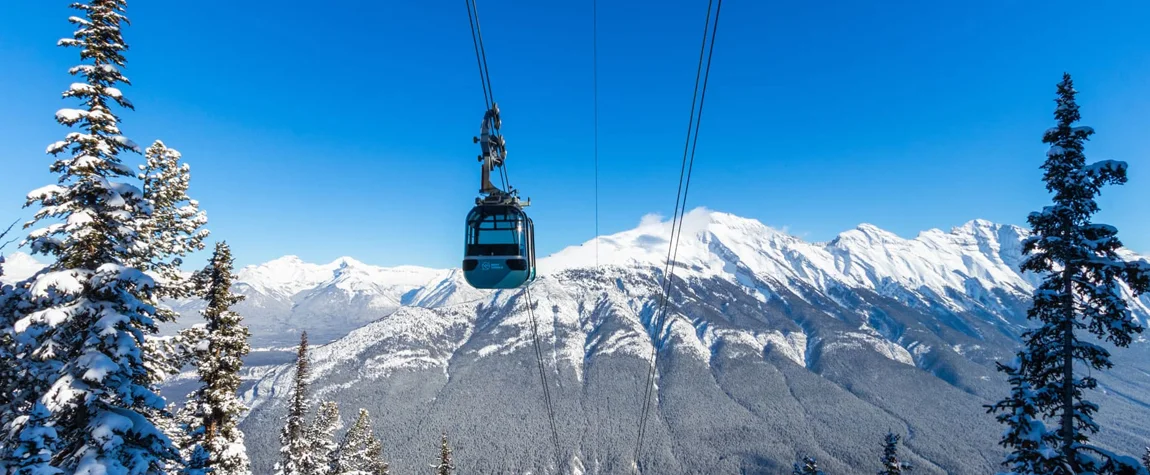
(287, 295)
(772, 347)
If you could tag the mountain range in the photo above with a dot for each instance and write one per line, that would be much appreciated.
(774, 348)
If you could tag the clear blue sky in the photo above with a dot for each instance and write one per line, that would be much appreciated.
(345, 129)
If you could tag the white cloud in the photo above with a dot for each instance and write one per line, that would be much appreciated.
(650, 219)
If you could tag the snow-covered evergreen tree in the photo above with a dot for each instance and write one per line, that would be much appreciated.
(295, 453)
(9, 377)
(1082, 287)
(197, 462)
(359, 452)
(84, 323)
(165, 356)
(166, 235)
(351, 455)
(175, 226)
(321, 438)
(31, 451)
(1032, 448)
(891, 465)
(1146, 459)
(377, 466)
(445, 465)
(212, 412)
(809, 466)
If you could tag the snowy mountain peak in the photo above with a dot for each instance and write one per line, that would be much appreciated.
(19, 266)
(647, 244)
(290, 259)
(976, 224)
(990, 230)
(866, 234)
(290, 275)
(976, 255)
(346, 262)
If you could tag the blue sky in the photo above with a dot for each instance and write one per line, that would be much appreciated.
(345, 129)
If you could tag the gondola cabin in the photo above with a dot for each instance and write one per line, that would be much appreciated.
(500, 247)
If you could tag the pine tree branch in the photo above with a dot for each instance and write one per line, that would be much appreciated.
(5, 233)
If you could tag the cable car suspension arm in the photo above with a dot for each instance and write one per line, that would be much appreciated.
(493, 148)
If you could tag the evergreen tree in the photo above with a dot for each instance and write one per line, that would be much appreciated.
(166, 235)
(164, 357)
(295, 453)
(1081, 289)
(1146, 459)
(9, 377)
(169, 355)
(321, 438)
(354, 452)
(445, 465)
(32, 450)
(198, 461)
(1032, 448)
(82, 329)
(377, 465)
(808, 467)
(891, 465)
(175, 226)
(212, 412)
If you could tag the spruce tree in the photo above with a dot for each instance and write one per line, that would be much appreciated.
(809, 466)
(1032, 448)
(81, 331)
(166, 235)
(891, 465)
(165, 357)
(1081, 292)
(197, 462)
(31, 451)
(1146, 459)
(376, 466)
(212, 412)
(9, 376)
(295, 453)
(445, 465)
(175, 226)
(354, 452)
(321, 438)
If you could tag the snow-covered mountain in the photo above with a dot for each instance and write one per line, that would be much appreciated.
(286, 296)
(978, 259)
(774, 347)
(19, 266)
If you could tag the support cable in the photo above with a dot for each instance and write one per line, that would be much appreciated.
(660, 314)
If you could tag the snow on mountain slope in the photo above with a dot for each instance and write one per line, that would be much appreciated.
(287, 295)
(957, 269)
(765, 333)
(768, 338)
(934, 265)
(288, 276)
(285, 276)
